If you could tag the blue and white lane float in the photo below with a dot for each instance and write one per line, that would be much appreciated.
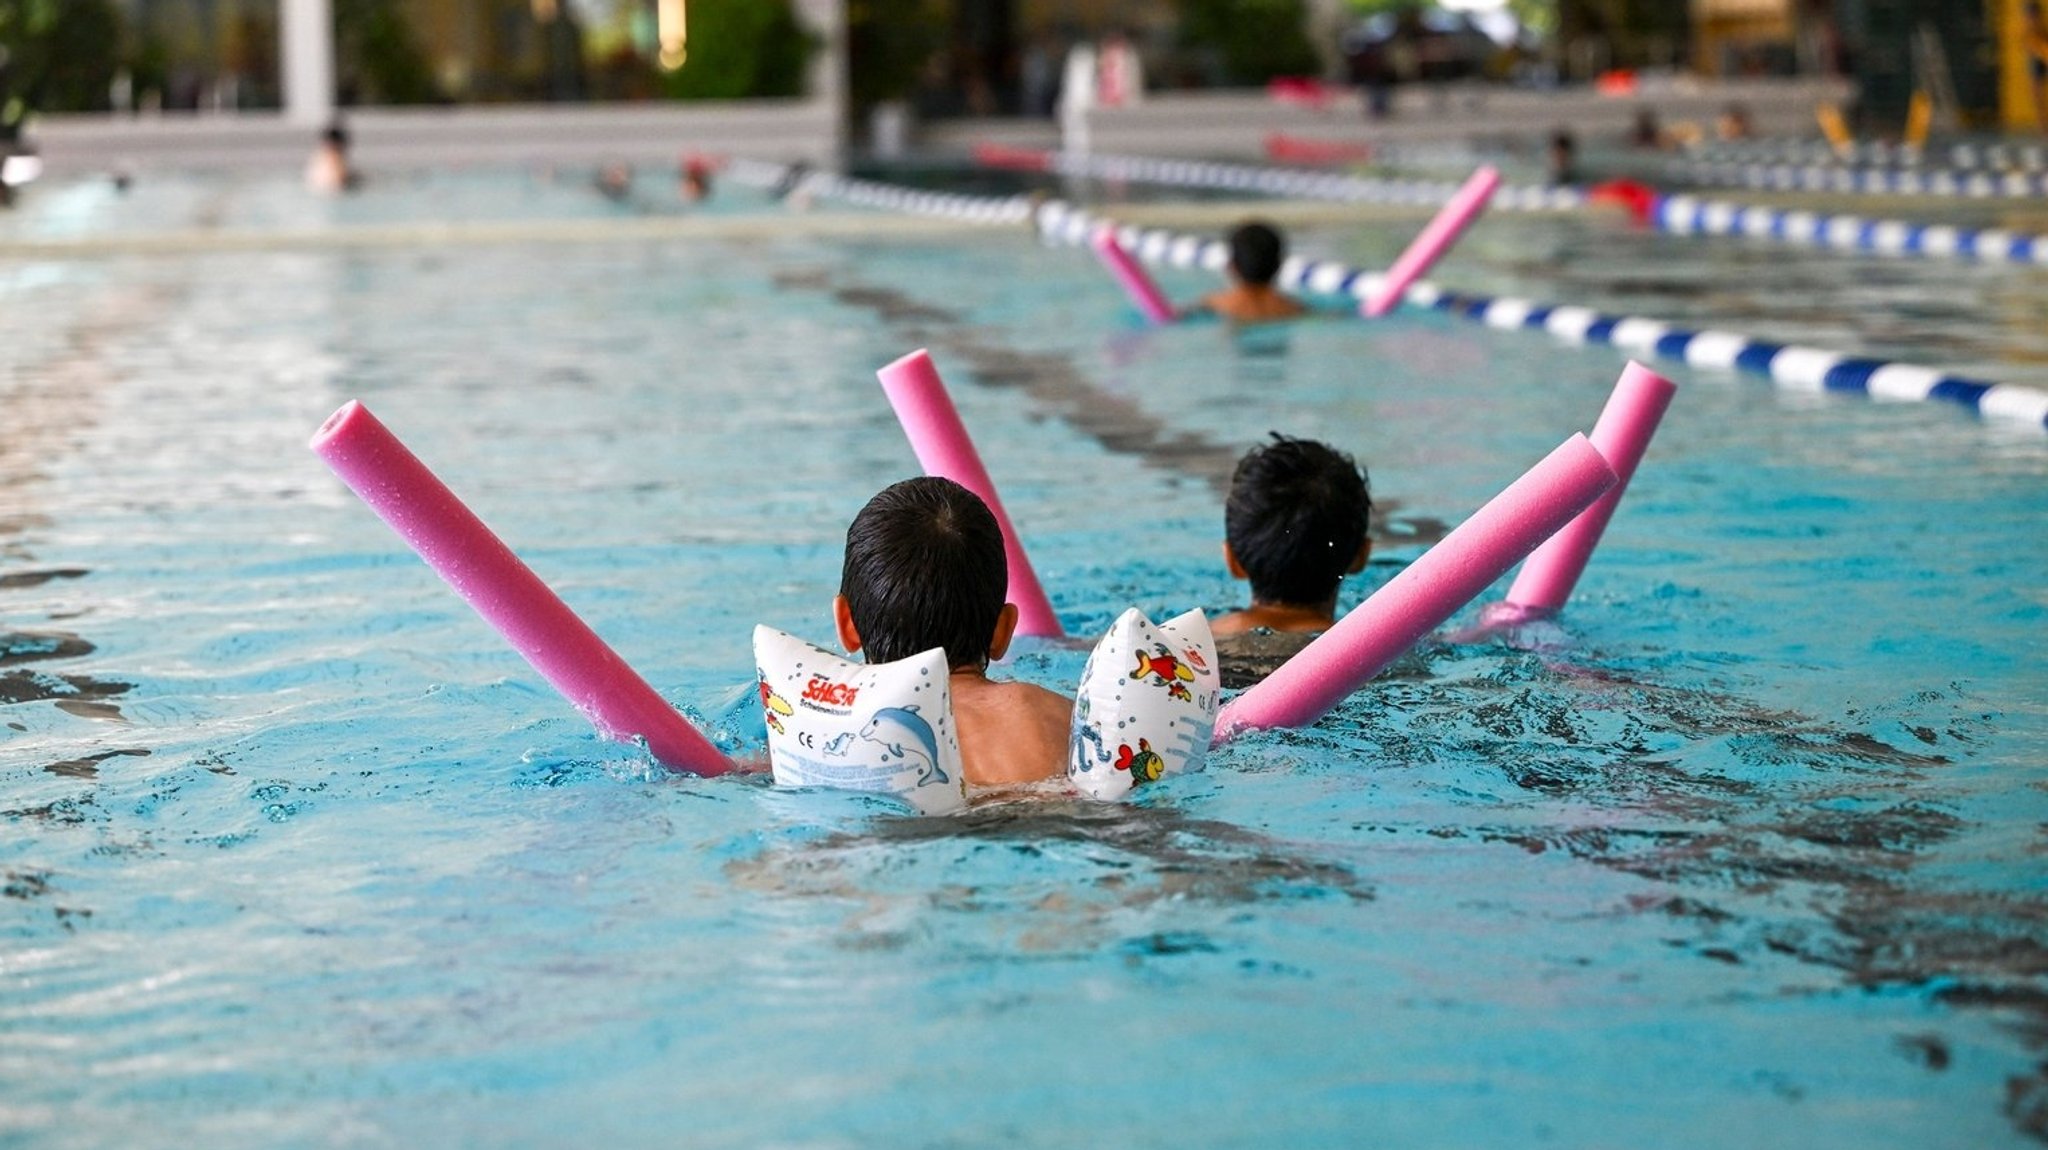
(1789, 366)
(1293, 183)
(1694, 216)
(1944, 182)
(1873, 153)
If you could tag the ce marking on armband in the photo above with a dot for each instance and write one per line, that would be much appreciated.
(805, 740)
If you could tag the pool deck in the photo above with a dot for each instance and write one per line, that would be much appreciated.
(1220, 124)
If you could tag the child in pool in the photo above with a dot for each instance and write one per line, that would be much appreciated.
(1295, 523)
(925, 568)
(1256, 252)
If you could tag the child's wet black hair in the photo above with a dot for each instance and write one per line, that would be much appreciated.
(1256, 251)
(1297, 514)
(925, 568)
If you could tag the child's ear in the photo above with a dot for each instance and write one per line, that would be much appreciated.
(842, 618)
(1006, 629)
(1358, 564)
(1230, 560)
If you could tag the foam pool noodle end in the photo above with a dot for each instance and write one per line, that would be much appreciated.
(505, 591)
(944, 449)
(1425, 593)
(1621, 437)
(1435, 239)
(1136, 284)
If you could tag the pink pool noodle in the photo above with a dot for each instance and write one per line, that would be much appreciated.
(1623, 433)
(1436, 239)
(1425, 593)
(943, 449)
(1137, 284)
(509, 596)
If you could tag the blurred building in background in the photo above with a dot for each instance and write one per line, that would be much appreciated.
(1984, 62)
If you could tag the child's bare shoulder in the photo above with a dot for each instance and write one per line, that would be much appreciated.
(1041, 703)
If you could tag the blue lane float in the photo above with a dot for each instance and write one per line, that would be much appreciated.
(1694, 216)
(1789, 366)
(1837, 180)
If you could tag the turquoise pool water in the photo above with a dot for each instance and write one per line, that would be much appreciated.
(1746, 850)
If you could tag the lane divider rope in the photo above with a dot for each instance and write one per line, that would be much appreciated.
(1789, 366)
(1695, 216)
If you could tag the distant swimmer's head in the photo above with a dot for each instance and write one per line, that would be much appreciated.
(925, 568)
(1256, 251)
(1297, 521)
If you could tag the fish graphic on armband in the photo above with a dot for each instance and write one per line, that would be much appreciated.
(904, 733)
(1170, 671)
(1144, 764)
(773, 707)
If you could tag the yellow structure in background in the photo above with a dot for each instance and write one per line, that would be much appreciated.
(2022, 62)
(1919, 118)
(674, 33)
(1836, 130)
(1722, 29)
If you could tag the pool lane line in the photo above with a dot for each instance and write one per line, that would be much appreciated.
(1790, 366)
(1690, 215)
(1874, 153)
(1266, 179)
(1939, 182)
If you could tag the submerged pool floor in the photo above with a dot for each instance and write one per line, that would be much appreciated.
(1746, 849)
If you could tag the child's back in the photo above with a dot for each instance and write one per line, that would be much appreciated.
(925, 568)
(1010, 732)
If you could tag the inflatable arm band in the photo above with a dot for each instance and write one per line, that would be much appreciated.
(1622, 435)
(1436, 239)
(509, 596)
(944, 449)
(1425, 593)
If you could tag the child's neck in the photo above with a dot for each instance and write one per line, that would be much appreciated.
(1290, 616)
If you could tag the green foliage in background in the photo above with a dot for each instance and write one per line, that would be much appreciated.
(740, 48)
(889, 43)
(378, 59)
(1254, 40)
(56, 56)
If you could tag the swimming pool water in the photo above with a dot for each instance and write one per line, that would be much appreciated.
(1745, 849)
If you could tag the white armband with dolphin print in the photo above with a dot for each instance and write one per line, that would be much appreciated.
(884, 727)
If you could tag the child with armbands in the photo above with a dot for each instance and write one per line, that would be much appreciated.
(1295, 523)
(1256, 252)
(921, 590)
(922, 599)
(925, 568)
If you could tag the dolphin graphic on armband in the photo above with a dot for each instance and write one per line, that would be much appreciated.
(904, 733)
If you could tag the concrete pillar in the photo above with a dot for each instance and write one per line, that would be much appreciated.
(306, 28)
(1326, 21)
(826, 20)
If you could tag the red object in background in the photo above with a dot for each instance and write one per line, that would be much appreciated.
(1303, 91)
(1639, 198)
(1017, 159)
(1298, 150)
(1619, 82)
